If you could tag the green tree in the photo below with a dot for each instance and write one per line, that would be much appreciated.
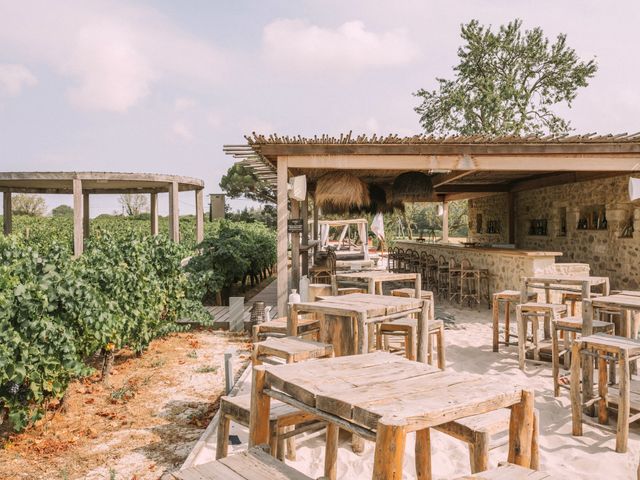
(26, 204)
(240, 181)
(133, 204)
(506, 83)
(62, 211)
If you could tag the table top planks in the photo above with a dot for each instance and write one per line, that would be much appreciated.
(617, 300)
(355, 303)
(567, 279)
(377, 275)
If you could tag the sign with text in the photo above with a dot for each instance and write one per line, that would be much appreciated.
(294, 225)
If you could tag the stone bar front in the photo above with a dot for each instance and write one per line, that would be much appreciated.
(506, 266)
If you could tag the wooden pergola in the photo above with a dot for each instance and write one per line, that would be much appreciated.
(83, 184)
(460, 167)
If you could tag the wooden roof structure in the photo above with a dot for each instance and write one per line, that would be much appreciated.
(83, 184)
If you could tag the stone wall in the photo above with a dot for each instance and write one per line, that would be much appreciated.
(494, 208)
(605, 250)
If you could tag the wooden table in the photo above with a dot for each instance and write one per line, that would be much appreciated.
(580, 285)
(375, 278)
(345, 319)
(382, 397)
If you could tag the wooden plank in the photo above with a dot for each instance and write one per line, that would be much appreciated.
(258, 465)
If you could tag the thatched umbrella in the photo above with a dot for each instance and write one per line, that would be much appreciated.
(341, 191)
(412, 187)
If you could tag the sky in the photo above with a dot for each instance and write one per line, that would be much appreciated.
(160, 86)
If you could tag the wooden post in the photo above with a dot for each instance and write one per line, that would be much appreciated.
(305, 236)
(282, 213)
(576, 402)
(154, 214)
(445, 223)
(512, 217)
(6, 212)
(78, 238)
(331, 452)
(588, 361)
(85, 214)
(260, 408)
(389, 454)
(316, 219)
(295, 248)
(174, 212)
(423, 454)
(622, 428)
(521, 430)
(423, 332)
(199, 216)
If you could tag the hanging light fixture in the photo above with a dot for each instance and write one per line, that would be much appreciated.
(440, 209)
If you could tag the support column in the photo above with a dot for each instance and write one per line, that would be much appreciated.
(78, 218)
(316, 227)
(153, 202)
(282, 212)
(445, 223)
(512, 217)
(85, 215)
(6, 212)
(305, 236)
(174, 212)
(295, 248)
(199, 216)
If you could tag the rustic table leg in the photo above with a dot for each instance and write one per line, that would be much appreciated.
(357, 444)
(622, 436)
(522, 337)
(423, 332)
(423, 454)
(555, 360)
(292, 322)
(507, 321)
(479, 452)
(389, 454)
(260, 408)
(603, 412)
(331, 452)
(587, 363)
(371, 287)
(496, 325)
(535, 444)
(418, 285)
(521, 430)
(576, 402)
(222, 446)
(363, 334)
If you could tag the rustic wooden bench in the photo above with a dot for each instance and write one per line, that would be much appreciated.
(508, 471)
(408, 329)
(477, 431)
(255, 464)
(290, 349)
(307, 328)
(281, 415)
(533, 311)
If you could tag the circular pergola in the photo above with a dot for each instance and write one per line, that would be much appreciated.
(83, 184)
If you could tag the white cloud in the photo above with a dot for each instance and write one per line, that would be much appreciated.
(350, 47)
(181, 130)
(113, 52)
(14, 77)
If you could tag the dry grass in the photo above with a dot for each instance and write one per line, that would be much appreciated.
(341, 191)
(412, 187)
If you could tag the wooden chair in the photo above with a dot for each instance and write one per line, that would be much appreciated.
(290, 349)
(477, 431)
(407, 328)
(533, 311)
(324, 272)
(254, 464)
(508, 298)
(281, 416)
(429, 271)
(568, 328)
(509, 471)
(443, 277)
(411, 293)
(454, 282)
(307, 328)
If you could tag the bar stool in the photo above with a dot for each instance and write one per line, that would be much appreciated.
(407, 328)
(443, 277)
(454, 280)
(604, 348)
(414, 262)
(429, 272)
(471, 283)
(533, 311)
(411, 293)
(508, 298)
(569, 327)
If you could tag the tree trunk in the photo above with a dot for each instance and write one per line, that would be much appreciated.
(107, 363)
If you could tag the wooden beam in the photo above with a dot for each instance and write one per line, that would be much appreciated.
(452, 197)
(444, 178)
(445, 223)
(174, 212)
(282, 246)
(85, 215)
(199, 216)
(473, 188)
(153, 201)
(295, 248)
(305, 235)
(78, 237)
(555, 179)
(7, 213)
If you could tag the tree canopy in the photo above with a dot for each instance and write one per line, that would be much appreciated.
(62, 211)
(27, 204)
(506, 83)
(239, 181)
(133, 204)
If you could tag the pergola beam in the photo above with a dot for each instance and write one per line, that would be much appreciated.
(444, 178)
(199, 216)
(473, 188)
(282, 239)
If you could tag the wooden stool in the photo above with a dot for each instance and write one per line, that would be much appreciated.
(471, 281)
(281, 415)
(408, 329)
(508, 298)
(424, 294)
(534, 310)
(290, 349)
(573, 298)
(454, 280)
(604, 348)
(477, 431)
(255, 464)
(509, 471)
(307, 327)
(443, 277)
(569, 327)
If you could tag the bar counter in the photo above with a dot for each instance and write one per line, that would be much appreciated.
(506, 265)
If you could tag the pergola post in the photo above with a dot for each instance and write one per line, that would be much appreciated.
(295, 248)
(153, 201)
(305, 236)
(85, 215)
(199, 216)
(445, 222)
(6, 212)
(282, 213)
(78, 218)
(174, 213)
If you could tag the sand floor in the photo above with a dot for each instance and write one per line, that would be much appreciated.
(468, 344)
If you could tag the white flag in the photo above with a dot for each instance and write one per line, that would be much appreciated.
(377, 226)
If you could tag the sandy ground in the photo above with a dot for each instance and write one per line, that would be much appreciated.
(468, 341)
(141, 426)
